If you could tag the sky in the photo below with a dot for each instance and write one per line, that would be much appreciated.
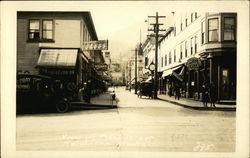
(123, 24)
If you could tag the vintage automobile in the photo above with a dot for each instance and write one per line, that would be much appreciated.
(36, 91)
(145, 89)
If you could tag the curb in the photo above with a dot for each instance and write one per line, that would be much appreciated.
(200, 108)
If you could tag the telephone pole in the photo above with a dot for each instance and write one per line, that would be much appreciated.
(156, 35)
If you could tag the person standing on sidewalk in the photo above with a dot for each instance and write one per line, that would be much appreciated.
(87, 91)
(177, 92)
(205, 94)
(212, 94)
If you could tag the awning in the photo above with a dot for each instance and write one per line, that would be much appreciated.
(59, 58)
(170, 71)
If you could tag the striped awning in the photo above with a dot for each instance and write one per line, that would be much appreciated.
(59, 58)
(169, 71)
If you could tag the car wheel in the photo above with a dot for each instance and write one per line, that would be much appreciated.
(62, 107)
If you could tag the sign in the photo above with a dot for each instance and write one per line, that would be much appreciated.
(58, 72)
(95, 45)
(101, 67)
(193, 63)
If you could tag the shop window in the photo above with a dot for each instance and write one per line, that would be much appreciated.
(203, 32)
(213, 30)
(47, 29)
(34, 29)
(229, 29)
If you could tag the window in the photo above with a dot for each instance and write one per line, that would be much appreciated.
(34, 29)
(213, 30)
(195, 44)
(186, 48)
(191, 46)
(186, 21)
(195, 14)
(203, 32)
(170, 59)
(180, 51)
(181, 26)
(192, 14)
(229, 29)
(47, 29)
(146, 61)
(161, 61)
(166, 59)
(37, 32)
(174, 55)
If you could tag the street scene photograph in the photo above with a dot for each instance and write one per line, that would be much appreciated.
(126, 78)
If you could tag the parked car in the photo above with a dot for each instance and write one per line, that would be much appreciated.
(145, 89)
(35, 91)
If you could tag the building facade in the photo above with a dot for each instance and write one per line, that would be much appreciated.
(199, 49)
(52, 44)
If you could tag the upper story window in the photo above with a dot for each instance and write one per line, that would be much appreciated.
(47, 29)
(174, 55)
(229, 29)
(195, 14)
(34, 29)
(191, 46)
(195, 44)
(170, 59)
(186, 48)
(166, 60)
(186, 22)
(203, 32)
(181, 26)
(40, 33)
(192, 15)
(180, 51)
(161, 61)
(213, 30)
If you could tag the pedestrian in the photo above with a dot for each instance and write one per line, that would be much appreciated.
(177, 92)
(212, 94)
(170, 91)
(205, 94)
(87, 91)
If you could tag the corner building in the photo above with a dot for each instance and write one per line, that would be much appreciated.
(198, 49)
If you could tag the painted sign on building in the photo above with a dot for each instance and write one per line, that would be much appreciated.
(95, 45)
(193, 63)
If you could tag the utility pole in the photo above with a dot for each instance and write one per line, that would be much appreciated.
(156, 35)
(135, 70)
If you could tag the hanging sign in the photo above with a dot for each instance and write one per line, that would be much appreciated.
(101, 67)
(95, 45)
(193, 63)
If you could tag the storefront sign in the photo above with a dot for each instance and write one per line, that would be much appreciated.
(193, 63)
(101, 67)
(57, 72)
(95, 45)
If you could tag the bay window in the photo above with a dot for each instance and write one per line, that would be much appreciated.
(229, 29)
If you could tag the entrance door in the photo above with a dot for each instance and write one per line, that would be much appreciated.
(224, 88)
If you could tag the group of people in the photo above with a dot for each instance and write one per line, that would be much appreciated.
(208, 94)
(176, 90)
